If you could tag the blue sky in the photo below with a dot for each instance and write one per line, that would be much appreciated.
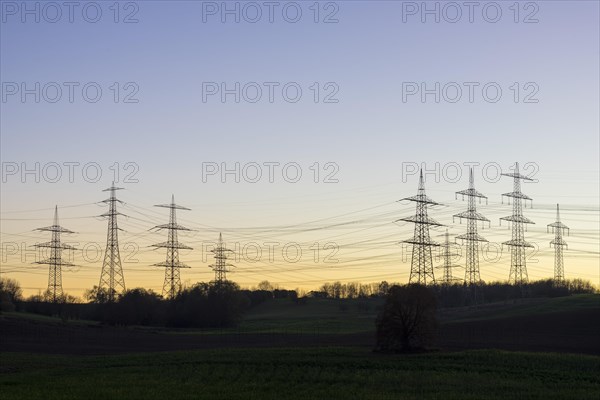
(369, 133)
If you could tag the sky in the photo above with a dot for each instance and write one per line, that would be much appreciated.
(294, 125)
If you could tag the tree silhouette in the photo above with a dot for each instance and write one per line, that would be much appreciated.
(407, 320)
(98, 295)
(10, 294)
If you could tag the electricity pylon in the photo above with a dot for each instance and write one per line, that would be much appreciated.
(558, 228)
(472, 238)
(172, 283)
(517, 244)
(221, 266)
(447, 263)
(421, 267)
(55, 261)
(111, 277)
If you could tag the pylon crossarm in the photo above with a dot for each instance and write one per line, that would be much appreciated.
(172, 245)
(222, 265)
(558, 242)
(111, 200)
(558, 225)
(517, 195)
(473, 236)
(112, 188)
(518, 243)
(111, 214)
(421, 199)
(54, 245)
(55, 261)
(173, 206)
(423, 242)
(172, 226)
(517, 175)
(472, 193)
(54, 228)
(518, 218)
(474, 215)
(419, 219)
(175, 264)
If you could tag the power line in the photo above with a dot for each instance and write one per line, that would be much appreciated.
(472, 238)
(172, 283)
(111, 276)
(447, 265)
(558, 228)
(421, 267)
(517, 244)
(55, 261)
(221, 266)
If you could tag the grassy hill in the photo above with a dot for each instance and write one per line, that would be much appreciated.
(521, 307)
(317, 315)
(335, 316)
(358, 315)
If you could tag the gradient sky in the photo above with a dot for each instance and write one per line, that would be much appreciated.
(370, 133)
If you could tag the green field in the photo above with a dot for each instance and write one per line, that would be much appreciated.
(358, 315)
(331, 316)
(521, 307)
(317, 315)
(301, 374)
(266, 371)
(46, 319)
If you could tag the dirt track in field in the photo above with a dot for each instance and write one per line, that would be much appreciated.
(573, 332)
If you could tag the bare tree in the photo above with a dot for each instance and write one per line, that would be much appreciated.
(352, 290)
(407, 320)
(98, 295)
(266, 285)
(11, 289)
(382, 288)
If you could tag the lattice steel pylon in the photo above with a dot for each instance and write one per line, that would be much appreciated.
(172, 283)
(558, 228)
(517, 244)
(472, 238)
(421, 267)
(221, 266)
(55, 261)
(111, 277)
(447, 265)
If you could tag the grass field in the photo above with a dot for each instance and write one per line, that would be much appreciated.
(534, 306)
(358, 315)
(317, 315)
(333, 316)
(307, 373)
(277, 356)
(49, 319)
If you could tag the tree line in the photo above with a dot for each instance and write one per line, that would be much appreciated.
(224, 304)
(459, 294)
(203, 305)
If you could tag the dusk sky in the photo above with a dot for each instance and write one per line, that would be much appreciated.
(496, 92)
